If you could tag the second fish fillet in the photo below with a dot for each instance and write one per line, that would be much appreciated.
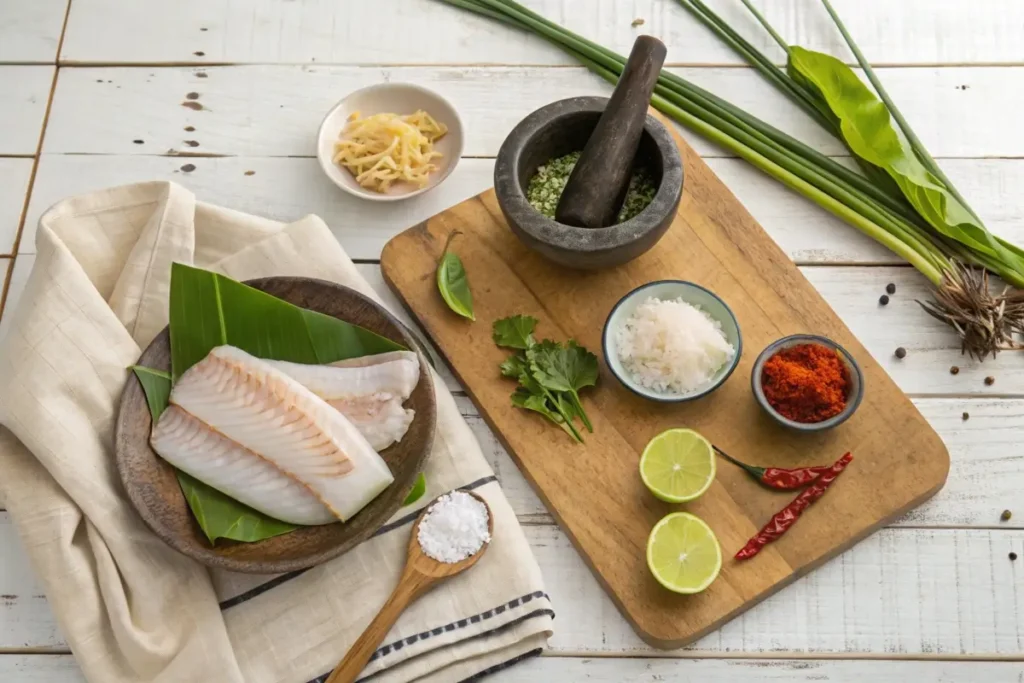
(272, 417)
(369, 391)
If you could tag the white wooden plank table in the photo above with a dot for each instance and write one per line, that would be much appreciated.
(934, 597)
(30, 30)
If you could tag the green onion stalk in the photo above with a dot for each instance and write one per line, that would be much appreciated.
(871, 202)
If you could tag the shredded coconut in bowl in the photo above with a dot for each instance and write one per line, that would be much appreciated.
(454, 528)
(671, 346)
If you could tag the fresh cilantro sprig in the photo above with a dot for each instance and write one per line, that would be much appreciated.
(515, 332)
(550, 374)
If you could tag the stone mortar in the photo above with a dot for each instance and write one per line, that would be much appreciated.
(558, 129)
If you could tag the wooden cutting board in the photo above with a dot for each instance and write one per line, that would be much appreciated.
(594, 490)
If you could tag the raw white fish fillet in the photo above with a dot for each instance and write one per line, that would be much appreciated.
(191, 446)
(369, 391)
(275, 418)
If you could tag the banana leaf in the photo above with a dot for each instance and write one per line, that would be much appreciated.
(209, 310)
(156, 384)
(222, 516)
(867, 129)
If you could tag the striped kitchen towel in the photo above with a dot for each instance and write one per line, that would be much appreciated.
(131, 608)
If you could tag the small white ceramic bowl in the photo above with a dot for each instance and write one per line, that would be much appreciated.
(691, 293)
(396, 98)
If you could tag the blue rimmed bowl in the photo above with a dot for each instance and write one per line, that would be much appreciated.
(854, 395)
(691, 293)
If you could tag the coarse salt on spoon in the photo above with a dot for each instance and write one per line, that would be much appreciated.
(447, 539)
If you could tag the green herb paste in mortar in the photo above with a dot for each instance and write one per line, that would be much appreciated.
(548, 183)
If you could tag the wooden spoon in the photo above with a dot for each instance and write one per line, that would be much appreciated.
(422, 572)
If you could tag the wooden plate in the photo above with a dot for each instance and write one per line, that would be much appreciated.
(153, 488)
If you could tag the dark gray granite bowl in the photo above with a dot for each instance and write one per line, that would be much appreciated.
(558, 129)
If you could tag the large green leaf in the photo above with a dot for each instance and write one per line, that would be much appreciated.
(867, 128)
(208, 310)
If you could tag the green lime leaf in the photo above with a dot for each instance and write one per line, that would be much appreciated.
(453, 283)
(515, 332)
(418, 489)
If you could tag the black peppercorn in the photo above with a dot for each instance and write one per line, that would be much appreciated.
(884, 299)
(1013, 557)
(990, 380)
(966, 416)
(1006, 515)
(901, 352)
(890, 288)
(954, 370)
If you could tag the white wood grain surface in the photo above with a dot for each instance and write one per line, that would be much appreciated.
(640, 670)
(14, 175)
(907, 604)
(900, 592)
(62, 669)
(39, 669)
(327, 31)
(273, 110)
(30, 30)
(24, 91)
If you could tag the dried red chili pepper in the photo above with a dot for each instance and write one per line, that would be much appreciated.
(779, 478)
(787, 516)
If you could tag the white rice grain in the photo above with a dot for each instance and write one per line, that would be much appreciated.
(672, 346)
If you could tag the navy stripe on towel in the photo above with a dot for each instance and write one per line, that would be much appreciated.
(397, 645)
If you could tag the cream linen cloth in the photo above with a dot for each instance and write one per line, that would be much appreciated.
(131, 608)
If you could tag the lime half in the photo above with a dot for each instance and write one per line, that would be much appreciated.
(678, 465)
(683, 553)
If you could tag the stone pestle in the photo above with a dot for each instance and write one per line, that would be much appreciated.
(598, 184)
